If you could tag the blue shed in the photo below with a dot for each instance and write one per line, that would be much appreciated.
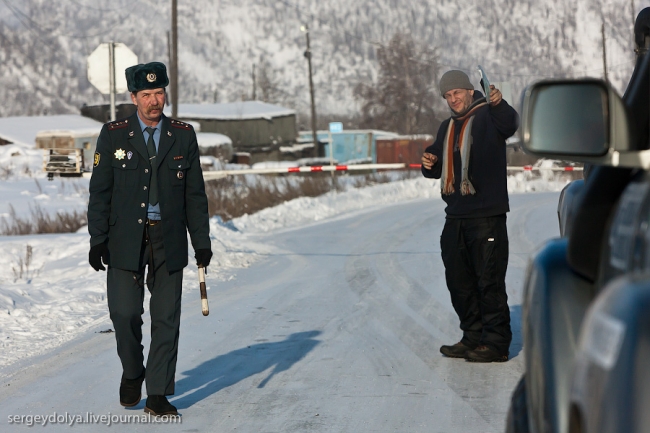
(351, 146)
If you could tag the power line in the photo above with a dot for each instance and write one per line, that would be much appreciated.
(381, 45)
(19, 16)
(94, 8)
(36, 27)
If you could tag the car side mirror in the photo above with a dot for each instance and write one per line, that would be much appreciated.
(578, 120)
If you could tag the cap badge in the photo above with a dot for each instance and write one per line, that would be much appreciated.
(119, 154)
(151, 77)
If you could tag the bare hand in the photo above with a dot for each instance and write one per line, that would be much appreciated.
(428, 160)
(495, 95)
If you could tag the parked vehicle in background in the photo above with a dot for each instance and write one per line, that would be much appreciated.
(67, 152)
(586, 312)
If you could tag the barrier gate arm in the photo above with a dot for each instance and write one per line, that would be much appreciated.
(213, 175)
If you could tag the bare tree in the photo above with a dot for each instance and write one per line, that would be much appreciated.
(267, 83)
(404, 97)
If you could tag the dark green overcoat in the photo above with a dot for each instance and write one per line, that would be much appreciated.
(119, 191)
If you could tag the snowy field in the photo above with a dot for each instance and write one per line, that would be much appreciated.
(49, 294)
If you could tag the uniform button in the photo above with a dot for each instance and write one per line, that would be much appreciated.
(145, 187)
(146, 170)
(141, 204)
(140, 221)
(123, 165)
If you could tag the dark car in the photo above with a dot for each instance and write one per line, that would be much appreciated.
(586, 312)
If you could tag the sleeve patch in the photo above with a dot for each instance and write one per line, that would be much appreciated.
(96, 159)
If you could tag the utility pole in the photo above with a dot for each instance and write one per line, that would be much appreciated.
(174, 60)
(111, 66)
(633, 23)
(602, 30)
(254, 82)
(169, 51)
(305, 29)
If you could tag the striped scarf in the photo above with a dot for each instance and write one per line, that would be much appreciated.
(465, 145)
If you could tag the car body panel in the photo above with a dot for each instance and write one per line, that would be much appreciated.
(611, 380)
(555, 302)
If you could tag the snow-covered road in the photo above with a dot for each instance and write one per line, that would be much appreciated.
(335, 328)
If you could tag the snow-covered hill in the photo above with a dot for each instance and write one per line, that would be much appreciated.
(44, 44)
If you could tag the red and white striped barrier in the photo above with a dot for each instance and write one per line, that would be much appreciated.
(212, 175)
(531, 168)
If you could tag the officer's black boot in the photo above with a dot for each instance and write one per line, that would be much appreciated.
(131, 390)
(158, 405)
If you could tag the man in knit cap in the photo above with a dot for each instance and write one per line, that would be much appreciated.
(469, 158)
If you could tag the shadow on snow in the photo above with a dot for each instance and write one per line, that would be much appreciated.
(225, 370)
(517, 342)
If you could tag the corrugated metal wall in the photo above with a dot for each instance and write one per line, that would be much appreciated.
(408, 150)
(252, 132)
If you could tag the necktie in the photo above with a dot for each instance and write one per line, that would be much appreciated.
(153, 184)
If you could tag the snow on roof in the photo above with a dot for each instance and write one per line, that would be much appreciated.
(305, 136)
(22, 130)
(212, 139)
(241, 110)
(75, 133)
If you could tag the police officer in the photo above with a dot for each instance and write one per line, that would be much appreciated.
(146, 193)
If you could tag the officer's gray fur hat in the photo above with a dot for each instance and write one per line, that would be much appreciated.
(454, 80)
(146, 76)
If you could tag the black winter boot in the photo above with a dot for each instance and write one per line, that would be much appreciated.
(458, 350)
(158, 405)
(485, 354)
(131, 390)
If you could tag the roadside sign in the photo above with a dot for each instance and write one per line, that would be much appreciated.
(336, 127)
(99, 67)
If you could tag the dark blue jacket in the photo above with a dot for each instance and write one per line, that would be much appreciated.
(119, 192)
(487, 166)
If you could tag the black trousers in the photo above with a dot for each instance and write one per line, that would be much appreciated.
(125, 304)
(475, 255)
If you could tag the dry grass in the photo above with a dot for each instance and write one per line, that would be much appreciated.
(22, 268)
(228, 198)
(41, 222)
(235, 196)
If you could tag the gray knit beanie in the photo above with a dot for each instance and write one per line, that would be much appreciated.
(454, 80)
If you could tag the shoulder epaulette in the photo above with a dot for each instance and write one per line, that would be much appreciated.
(123, 123)
(178, 124)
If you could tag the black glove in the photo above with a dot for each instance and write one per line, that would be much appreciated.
(203, 257)
(97, 254)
